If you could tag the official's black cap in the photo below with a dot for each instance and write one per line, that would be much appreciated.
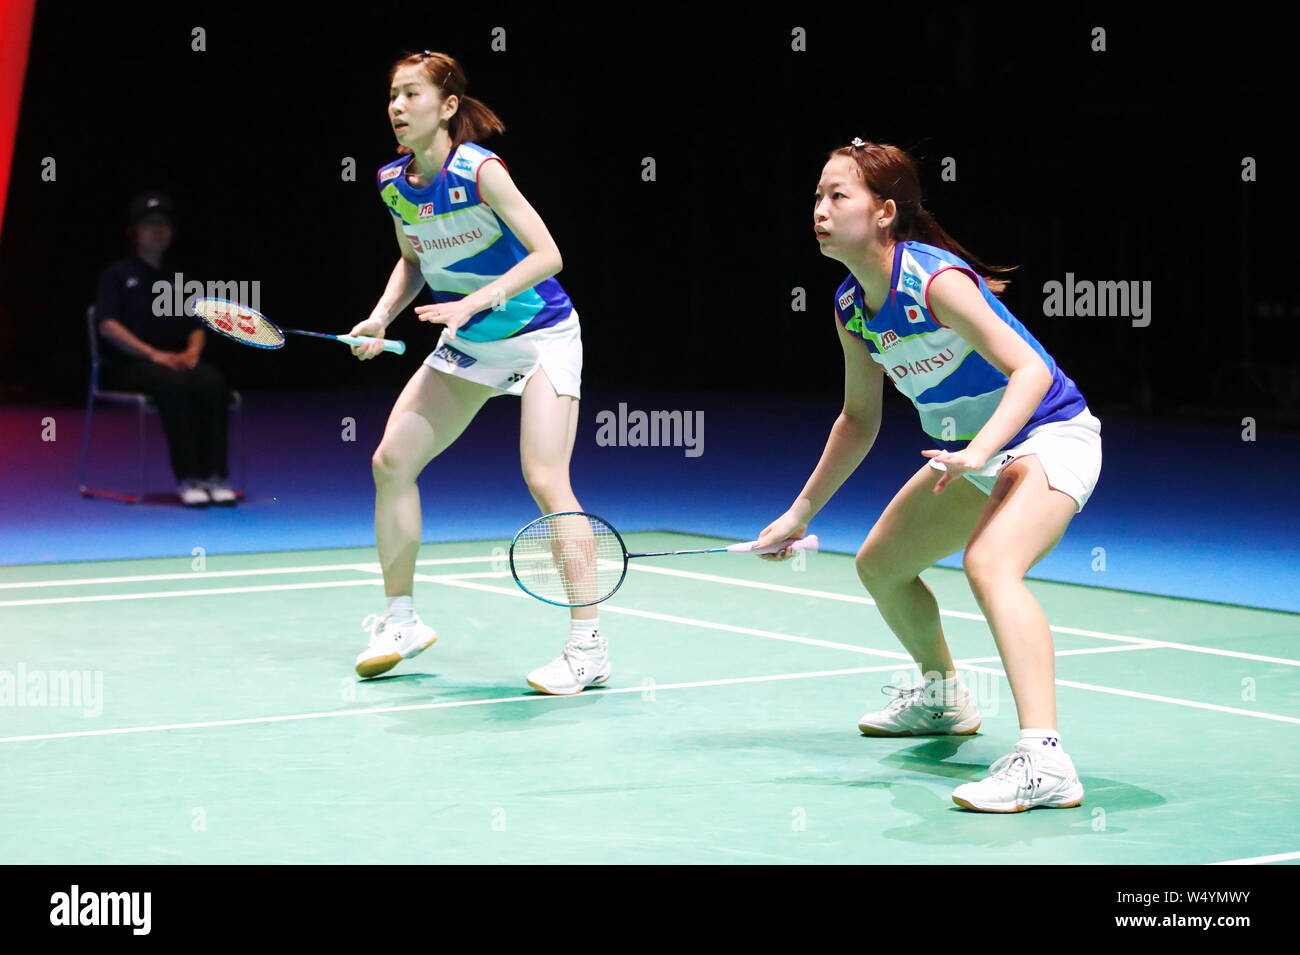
(152, 207)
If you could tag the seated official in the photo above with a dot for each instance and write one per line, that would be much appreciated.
(160, 356)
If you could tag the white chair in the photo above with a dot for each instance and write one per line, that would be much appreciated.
(143, 404)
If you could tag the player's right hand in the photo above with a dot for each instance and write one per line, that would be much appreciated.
(170, 359)
(787, 527)
(374, 328)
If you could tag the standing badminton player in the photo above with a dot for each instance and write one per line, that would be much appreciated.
(466, 231)
(915, 308)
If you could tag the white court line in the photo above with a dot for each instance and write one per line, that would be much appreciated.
(1134, 694)
(713, 578)
(190, 593)
(971, 664)
(732, 628)
(264, 588)
(1090, 650)
(644, 568)
(452, 582)
(1260, 860)
(960, 614)
(640, 688)
(210, 574)
(457, 580)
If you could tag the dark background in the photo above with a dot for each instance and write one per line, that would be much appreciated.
(1123, 166)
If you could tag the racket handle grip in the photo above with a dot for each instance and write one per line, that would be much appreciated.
(809, 543)
(392, 345)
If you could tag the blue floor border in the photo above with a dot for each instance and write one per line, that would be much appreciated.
(1181, 511)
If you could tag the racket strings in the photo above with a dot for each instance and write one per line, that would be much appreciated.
(569, 558)
(238, 322)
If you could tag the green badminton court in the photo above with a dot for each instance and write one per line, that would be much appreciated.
(187, 711)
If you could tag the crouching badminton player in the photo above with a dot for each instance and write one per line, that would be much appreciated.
(464, 228)
(915, 308)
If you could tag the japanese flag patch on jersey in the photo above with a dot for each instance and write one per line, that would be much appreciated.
(457, 194)
(914, 314)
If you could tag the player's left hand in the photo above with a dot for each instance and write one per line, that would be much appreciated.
(451, 314)
(957, 464)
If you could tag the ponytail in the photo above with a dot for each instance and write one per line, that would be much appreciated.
(929, 231)
(890, 173)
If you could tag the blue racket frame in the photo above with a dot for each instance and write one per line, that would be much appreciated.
(587, 514)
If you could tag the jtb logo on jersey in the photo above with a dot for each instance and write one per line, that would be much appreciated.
(888, 339)
(457, 194)
(426, 211)
(453, 356)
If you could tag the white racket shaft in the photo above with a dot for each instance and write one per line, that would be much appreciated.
(809, 543)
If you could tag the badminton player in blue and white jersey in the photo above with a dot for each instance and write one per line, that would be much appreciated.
(916, 308)
(465, 230)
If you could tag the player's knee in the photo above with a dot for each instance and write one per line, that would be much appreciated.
(548, 486)
(984, 567)
(875, 570)
(387, 465)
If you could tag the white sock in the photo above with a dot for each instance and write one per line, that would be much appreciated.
(585, 630)
(1042, 740)
(401, 608)
(944, 692)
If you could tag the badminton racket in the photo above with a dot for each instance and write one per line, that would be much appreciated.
(251, 327)
(576, 559)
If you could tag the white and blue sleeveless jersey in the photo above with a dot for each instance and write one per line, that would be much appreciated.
(952, 386)
(463, 245)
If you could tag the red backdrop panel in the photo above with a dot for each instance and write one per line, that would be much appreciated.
(15, 37)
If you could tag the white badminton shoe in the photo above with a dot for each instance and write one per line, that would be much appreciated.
(391, 643)
(193, 494)
(1034, 776)
(219, 490)
(911, 713)
(584, 663)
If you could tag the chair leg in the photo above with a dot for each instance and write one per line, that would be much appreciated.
(85, 443)
(243, 446)
(140, 425)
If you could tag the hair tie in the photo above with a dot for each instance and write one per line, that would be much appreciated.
(858, 143)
